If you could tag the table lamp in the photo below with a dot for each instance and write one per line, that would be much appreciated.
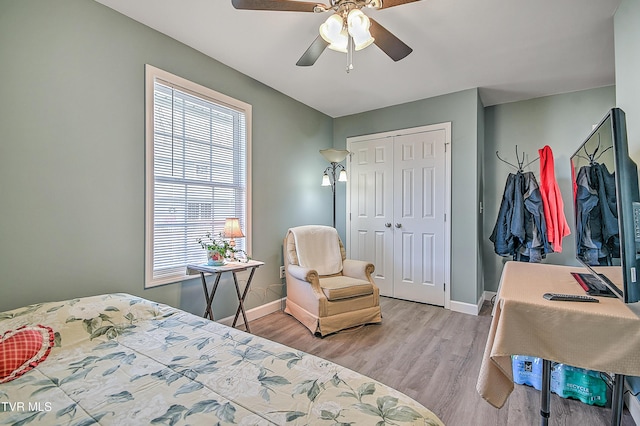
(232, 230)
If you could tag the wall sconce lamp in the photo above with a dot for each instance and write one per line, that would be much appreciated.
(334, 173)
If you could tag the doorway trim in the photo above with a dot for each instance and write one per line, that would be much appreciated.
(446, 126)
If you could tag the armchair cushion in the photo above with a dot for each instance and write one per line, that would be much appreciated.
(341, 287)
(318, 248)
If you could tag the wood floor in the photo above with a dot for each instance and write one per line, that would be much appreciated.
(433, 355)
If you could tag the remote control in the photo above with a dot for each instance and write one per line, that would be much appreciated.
(570, 297)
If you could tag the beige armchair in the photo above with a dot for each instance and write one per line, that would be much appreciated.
(325, 291)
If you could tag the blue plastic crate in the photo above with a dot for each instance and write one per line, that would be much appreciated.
(566, 381)
(584, 385)
(527, 370)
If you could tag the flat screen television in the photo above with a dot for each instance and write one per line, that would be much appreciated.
(607, 207)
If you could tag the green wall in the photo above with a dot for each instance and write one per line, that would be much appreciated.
(560, 121)
(72, 156)
(627, 42)
(461, 109)
(480, 191)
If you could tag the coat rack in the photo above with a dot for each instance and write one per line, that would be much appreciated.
(521, 166)
(593, 157)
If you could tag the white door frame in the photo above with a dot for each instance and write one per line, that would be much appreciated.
(447, 239)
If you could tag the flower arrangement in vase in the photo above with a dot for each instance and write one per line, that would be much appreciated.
(217, 249)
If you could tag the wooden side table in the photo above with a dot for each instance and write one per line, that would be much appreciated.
(232, 267)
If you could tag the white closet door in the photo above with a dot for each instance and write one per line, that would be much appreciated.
(371, 186)
(419, 217)
(398, 198)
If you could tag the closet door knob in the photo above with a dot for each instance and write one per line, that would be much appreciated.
(398, 225)
(387, 225)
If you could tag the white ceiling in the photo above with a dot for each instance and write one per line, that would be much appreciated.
(511, 49)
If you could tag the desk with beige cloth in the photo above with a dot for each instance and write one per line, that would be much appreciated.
(602, 336)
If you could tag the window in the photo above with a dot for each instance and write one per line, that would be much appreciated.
(197, 172)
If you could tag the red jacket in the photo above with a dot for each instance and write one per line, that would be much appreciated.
(557, 226)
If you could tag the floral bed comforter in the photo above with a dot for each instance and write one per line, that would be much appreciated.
(120, 359)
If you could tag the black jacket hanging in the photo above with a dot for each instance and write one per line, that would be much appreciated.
(520, 229)
(597, 225)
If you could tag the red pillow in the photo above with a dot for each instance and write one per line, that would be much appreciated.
(23, 349)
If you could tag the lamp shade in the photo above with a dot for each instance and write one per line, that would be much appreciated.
(334, 155)
(334, 33)
(325, 180)
(358, 24)
(232, 228)
(342, 177)
(340, 45)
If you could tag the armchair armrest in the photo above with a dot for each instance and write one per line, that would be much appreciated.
(303, 274)
(357, 269)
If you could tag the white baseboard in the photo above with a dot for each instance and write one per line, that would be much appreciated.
(257, 312)
(470, 308)
(277, 305)
(488, 295)
(465, 308)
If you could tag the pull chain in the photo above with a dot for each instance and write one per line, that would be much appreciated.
(350, 48)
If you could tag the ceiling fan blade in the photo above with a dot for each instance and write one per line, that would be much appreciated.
(386, 4)
(388, 43)
(280, 5)
(312, 54)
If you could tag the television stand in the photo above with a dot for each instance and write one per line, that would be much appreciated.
(523, 318)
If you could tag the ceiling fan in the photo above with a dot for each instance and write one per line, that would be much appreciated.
(346, 30)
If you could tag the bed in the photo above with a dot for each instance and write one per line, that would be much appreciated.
(117, 359)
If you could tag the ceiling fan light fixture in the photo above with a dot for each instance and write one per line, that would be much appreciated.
(340, 45)
(358, 25)
(346, 30)
(334, 33)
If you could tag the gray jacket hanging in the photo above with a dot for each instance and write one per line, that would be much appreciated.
(520, 230)
(597, 233)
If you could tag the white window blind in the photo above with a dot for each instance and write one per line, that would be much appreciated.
(199, 176)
